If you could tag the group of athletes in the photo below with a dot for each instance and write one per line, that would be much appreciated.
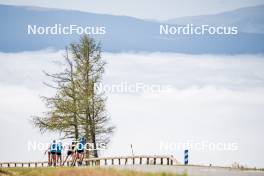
(75, 153)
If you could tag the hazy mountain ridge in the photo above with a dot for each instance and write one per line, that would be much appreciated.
(123, 33)
(249, 19)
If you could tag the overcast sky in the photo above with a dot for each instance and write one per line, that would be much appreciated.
(218, 99)
(158, 9)
(213, 98)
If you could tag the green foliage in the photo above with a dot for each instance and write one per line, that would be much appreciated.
(78, 108)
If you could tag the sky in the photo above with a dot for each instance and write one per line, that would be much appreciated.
(213, 99)
(145, 9)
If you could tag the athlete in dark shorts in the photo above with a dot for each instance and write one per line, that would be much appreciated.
(53, 152)
(58, 153)
(71, 152)
(80, 150)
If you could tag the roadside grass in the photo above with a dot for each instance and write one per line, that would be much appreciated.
(77, 172)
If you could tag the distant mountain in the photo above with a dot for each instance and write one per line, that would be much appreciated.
(249, 19)
(123, 33)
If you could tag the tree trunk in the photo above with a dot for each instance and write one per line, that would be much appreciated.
(76, 131)
(94, 144)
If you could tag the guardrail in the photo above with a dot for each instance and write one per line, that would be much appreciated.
(104, 161)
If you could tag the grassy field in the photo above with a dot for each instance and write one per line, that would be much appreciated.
(75, 172)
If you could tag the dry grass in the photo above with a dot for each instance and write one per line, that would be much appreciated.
(75, 172)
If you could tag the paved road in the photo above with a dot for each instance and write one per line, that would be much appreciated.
(193, 170)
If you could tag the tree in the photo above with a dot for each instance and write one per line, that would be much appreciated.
(62, 115)
(90, 68)
(78, 108)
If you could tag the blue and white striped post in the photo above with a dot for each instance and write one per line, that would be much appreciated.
(186, 157)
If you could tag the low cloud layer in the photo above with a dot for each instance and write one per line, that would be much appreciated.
(211, 98)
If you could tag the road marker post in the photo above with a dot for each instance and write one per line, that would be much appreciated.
(186, 157)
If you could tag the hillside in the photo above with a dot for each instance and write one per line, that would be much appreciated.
(123, 33)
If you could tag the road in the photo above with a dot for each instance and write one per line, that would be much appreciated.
(193, 170)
